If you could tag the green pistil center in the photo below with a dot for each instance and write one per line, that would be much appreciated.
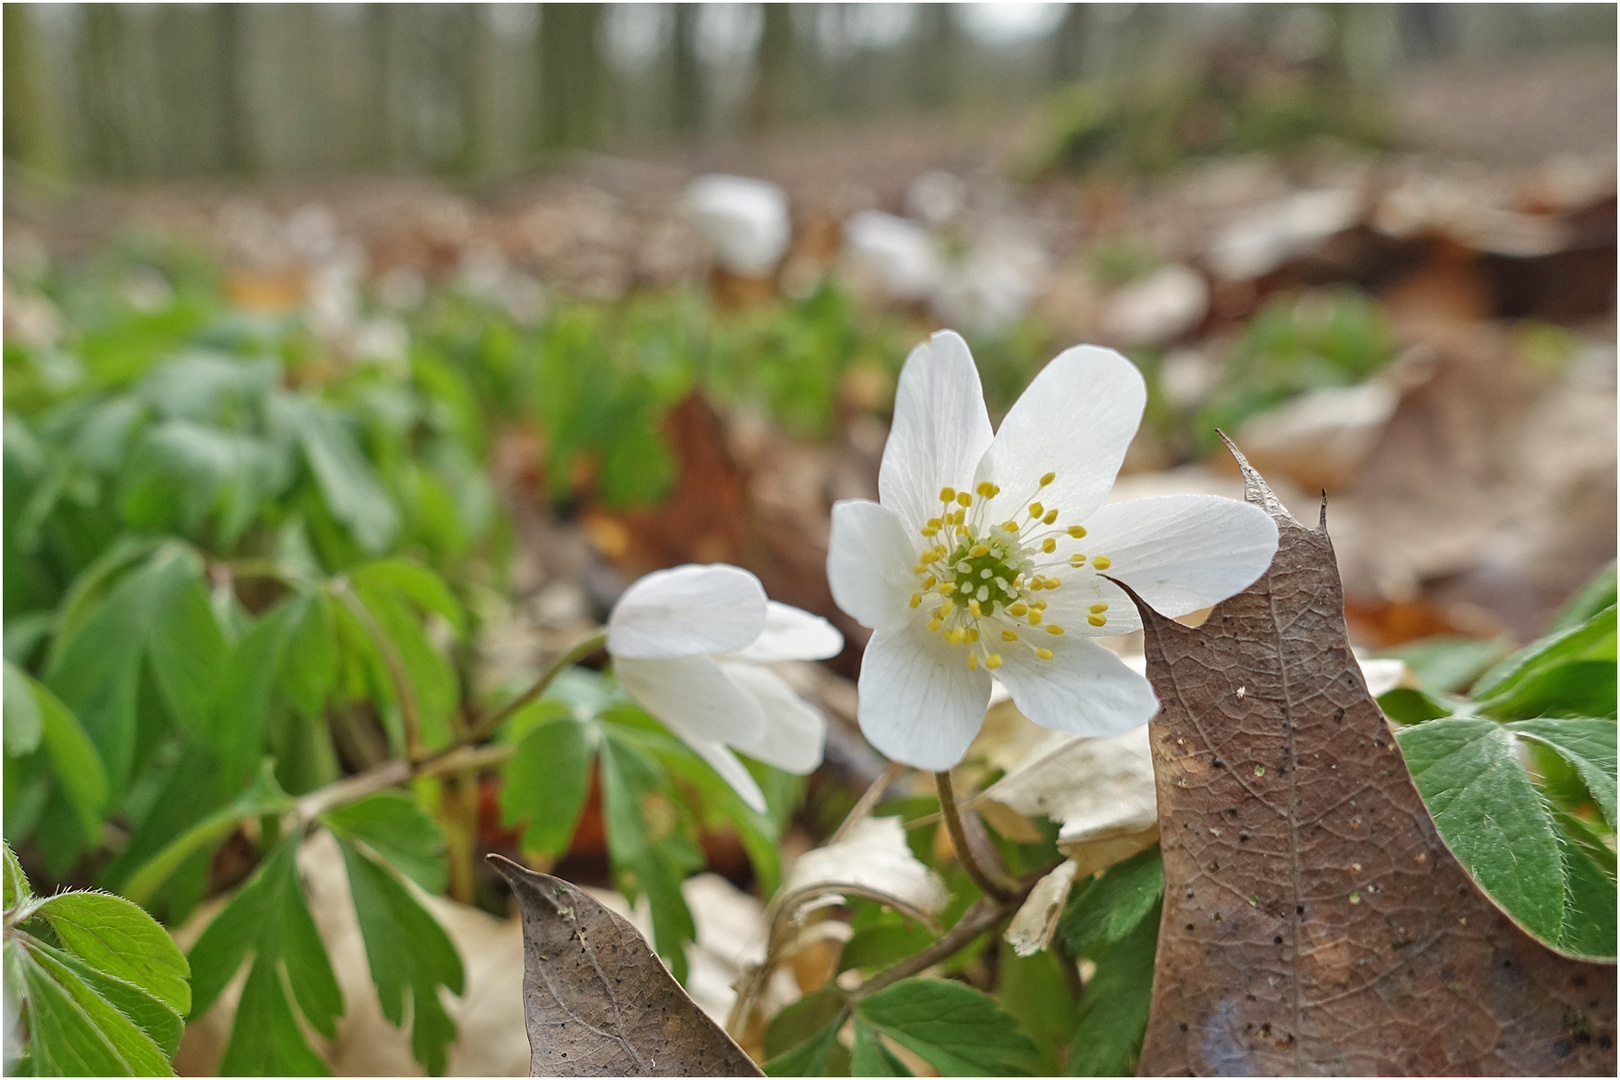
(988, 578)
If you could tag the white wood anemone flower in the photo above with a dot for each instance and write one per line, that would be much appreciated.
(986, 554)
(690, 645)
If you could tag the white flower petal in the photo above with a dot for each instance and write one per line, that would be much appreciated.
(687, 611)
(869, 563)
(794, 733)
(919, 703)
(1076, 420)
(732, 771)
(1084, 689)
(1182, 552)
(792, 634)
(1070, 605)
(940, 430)
(693, 697)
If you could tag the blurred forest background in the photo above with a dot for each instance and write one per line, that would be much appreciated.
(334, 287)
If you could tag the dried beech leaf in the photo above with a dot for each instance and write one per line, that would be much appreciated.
(1032, 928)
(873, 860)
(1313, 920)
(596, 999)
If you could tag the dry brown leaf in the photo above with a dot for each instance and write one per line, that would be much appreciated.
(598, 1001)
(1313, 919)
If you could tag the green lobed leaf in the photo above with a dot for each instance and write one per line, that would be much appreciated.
(265, 1038)
(546, 781)
(1590, 894)
(802, 1039)
(431, 677)
(23, 726)
(1503, 689)
(17, 888)
(395, 826)
(422, 586)
(1498, 825)
(349, 485)
(1103, 910)
(79, 772)
(309, 663)
(161, 1024)
(185, 644)
(1588, 745)
(410, 956)
(955, 1028)
(117, 937)
(1598, 594)
(871, 1057)
(1035, 992)
(1114, 1007)
(641, 861)
(237, 728)
(75, 1032)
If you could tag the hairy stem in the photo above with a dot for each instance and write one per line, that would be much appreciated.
(953, 823)
(488, 724)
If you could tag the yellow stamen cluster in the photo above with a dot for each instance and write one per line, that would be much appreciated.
(977, 573)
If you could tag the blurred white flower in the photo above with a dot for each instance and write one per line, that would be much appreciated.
(976, 559)
(691, 645)
(745, 221)
(897, 253)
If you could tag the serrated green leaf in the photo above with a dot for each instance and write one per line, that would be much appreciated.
(802, 1038)
(266, 1040)
(871, 1057)
(78, 768)
(432, 679)
(546, 781)
(237, 729)
(641, 863)
(955, 1028)
(395, 826)
(186, 646)
(233, 934)
(1588, 745)
(422, 586)
(1114, 1007)
(1102, 910)
(74, 1032)
(23, 726)
(17, 888)
(161, 1024)
(264, 797)
(309, 663)
(117, 937)
(410, 956)
(1494, 820)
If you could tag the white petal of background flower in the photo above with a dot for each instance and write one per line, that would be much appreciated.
(1075, 419)
(1183, 552)
(918, 703)
(693, 697)
(792, 634)
(1084, 689)
(940, 429)
(869, 561)
(687, 611)
(732, 771)
(794, 733)
(745, 221)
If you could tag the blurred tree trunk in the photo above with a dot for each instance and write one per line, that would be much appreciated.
(685, 72)
(1069, 43)
(30, 137)
(937, 57)
(774, 99)
(571, 75)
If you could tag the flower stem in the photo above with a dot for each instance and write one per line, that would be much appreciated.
(488, 724)
(869, 798)
(953, 823)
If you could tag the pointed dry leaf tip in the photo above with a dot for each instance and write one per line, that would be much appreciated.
(1257, 491)
(596, 999)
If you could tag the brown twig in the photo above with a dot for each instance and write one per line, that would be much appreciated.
(953, 823)
(869, 799)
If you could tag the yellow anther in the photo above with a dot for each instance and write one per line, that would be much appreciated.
(1009, 635)
(930, 532)
(976, 550)
(986, 489)
(947, 588)
(1077, 531)
(916, 598)
(947, 494)
(1049, 545)
(1102, 562)
(973, 606)
(930, 581)
(1044, 654)
(973, 661)
(934, 523)
(954, 636)
(1077, 559)
(1039, 605)
(1018, 611)
(1098, 609)
(1055, 630)
(933, 624)
(1036, 510)
(973, 633)
(1035, 583)
(1034, 618)
(993, 661)
(1011, 526)
(947, 607)
(964, 499)
(1048, 478)
(1051, 516)
(1097, 620)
